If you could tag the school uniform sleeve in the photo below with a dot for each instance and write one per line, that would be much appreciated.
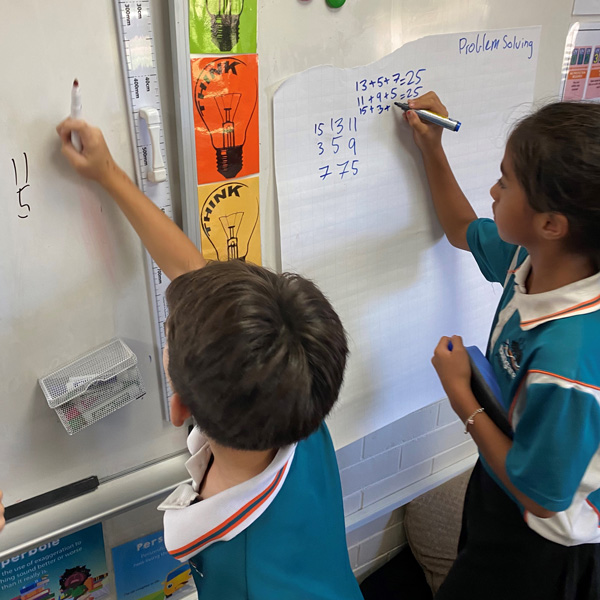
(556, 438)
(493, 255)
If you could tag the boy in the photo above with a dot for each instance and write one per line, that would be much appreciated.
(257, 359)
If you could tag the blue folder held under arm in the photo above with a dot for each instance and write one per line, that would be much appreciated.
(487, 391)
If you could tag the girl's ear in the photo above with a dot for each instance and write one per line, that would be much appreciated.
(553, 225)
(178, 410)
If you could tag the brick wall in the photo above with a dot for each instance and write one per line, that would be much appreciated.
(383, 471)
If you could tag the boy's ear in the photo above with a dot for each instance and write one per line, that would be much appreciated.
(179, 412)
(553, 225)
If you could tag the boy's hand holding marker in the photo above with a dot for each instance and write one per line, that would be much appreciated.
(94, 161)
(171, 249)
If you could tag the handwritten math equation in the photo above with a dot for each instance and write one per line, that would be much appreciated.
(375, 96)
(336, 147)
(336, 139)
(23, 206)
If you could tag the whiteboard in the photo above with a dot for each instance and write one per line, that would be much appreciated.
(72, 275)
(72, 271)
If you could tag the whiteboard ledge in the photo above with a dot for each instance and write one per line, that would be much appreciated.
(135, 489)
(111, 498)
(404, 496)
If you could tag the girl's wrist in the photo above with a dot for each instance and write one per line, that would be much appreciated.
(462, 400)
(432, 150)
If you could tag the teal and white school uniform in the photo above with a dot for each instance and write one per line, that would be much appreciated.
(280, 535)
(545, 352)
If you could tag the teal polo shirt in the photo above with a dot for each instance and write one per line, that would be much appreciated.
(545, 352)
(296, 550)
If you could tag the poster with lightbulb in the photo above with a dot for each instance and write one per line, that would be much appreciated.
(225, 93)
(229, 220)
(222, 26)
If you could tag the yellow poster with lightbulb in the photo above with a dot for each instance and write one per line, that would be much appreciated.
(222, 26)
(230, 220)
(225, 93)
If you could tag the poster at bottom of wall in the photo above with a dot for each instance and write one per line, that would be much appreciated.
(71, 567)
(144, 570)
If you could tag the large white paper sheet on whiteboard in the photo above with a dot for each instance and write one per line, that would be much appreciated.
(356, 216)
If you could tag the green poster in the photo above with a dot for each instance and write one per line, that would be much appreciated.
(222, 26)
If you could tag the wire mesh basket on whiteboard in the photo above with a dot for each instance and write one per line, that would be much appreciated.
(93, 386)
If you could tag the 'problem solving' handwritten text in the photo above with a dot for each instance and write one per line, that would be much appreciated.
(481, 43)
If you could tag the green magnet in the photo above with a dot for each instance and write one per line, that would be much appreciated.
(335, 3)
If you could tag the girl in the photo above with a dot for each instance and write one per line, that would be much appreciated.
(531, 518)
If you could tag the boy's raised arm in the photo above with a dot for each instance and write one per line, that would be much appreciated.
(451, 206)
(171, 249)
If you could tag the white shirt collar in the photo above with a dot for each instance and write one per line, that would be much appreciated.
(191, 525)
(577, 298)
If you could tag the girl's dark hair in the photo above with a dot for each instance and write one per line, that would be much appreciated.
(556, 158)
(257, 357)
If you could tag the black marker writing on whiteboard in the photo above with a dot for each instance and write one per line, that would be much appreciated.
(22, 188)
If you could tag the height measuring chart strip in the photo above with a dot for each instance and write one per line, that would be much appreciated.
(134, 23)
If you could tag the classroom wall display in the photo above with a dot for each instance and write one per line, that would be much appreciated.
(144, 570)
(67, 568)
(222, 26)
(581, 67)
(225, 113)
(356, 217)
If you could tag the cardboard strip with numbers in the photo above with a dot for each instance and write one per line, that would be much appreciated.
(134, 22)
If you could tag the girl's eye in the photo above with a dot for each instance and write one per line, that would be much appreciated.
(501, 183)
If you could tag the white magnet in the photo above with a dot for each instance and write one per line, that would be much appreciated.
(157, 172)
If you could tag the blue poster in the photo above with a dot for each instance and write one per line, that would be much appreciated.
(72, 567)
(144, 570)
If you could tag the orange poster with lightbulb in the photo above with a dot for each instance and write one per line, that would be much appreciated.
(229, 220)
(225, 93)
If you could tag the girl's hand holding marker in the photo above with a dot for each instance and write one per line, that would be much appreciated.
(430, 116)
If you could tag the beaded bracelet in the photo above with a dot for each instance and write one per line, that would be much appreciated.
(471, 419)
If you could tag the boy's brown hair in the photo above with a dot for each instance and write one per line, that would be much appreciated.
(257, 357)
